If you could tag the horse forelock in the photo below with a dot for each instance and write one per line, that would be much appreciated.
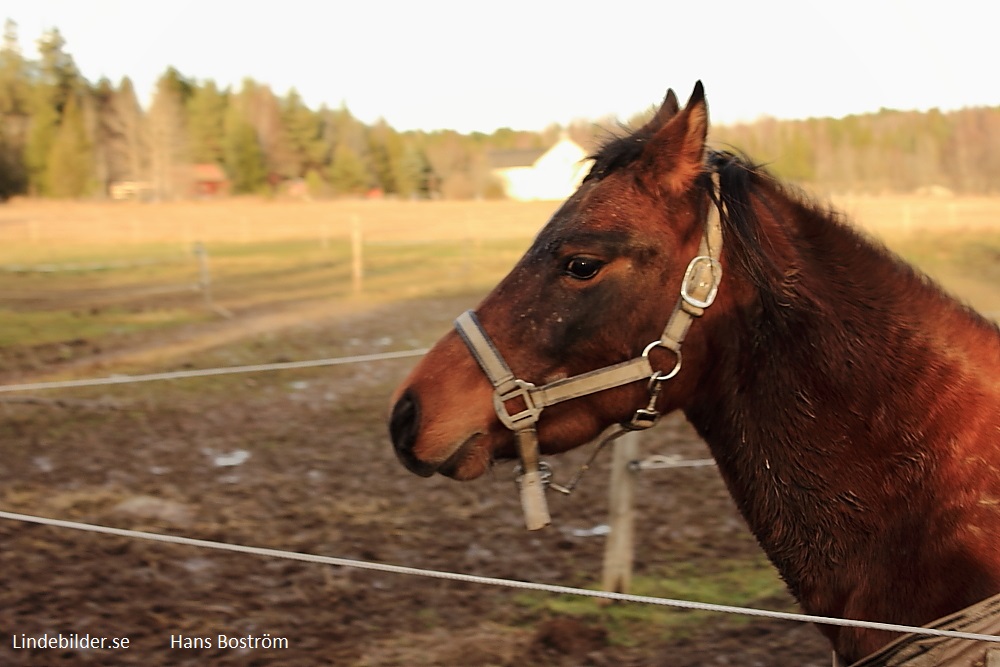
(618, 153)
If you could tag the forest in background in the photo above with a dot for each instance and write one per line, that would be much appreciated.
(62, 136)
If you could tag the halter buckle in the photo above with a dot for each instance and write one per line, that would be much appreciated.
(694, 277)
(647, 417)
(519, 420)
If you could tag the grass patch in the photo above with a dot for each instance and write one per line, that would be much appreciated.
(47, 327)
(746, 583)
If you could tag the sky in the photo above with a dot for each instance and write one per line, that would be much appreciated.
(432, 64)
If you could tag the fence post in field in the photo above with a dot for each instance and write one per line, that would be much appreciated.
(204, 275)
(205, 280)
(357, 261)
(619, 546)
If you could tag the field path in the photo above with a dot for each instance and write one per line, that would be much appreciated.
(168, 348)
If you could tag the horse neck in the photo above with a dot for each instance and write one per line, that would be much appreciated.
(824, 394)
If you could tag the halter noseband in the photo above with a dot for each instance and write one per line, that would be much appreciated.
(698, 290)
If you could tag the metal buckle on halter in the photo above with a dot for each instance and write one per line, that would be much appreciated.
(528, 415)
(648, 416)
(714, 270)
(642, 419)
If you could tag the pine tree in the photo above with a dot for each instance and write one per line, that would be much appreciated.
(413, 173)
(58, 82)
(41, 136)
(206, 112)
(15, 97)
(384, 152)
(15, 83)
(348, 174)
(70, 165)
(243, 154)
(102, 126)
(304, 130)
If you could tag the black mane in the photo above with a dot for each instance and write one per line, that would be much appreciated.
(618, 153)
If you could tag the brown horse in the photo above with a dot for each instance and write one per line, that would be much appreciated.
(853, 408)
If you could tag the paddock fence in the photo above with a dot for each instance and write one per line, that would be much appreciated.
(625, 464)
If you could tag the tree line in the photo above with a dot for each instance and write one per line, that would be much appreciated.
(62, 136)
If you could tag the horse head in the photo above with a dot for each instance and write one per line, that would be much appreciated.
(594, 291)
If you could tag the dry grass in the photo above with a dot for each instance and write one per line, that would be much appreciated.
(25, 223)
(892, 216)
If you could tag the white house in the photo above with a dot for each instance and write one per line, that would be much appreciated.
(530, 174)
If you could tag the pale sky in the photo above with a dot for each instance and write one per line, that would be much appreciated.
(525, 64)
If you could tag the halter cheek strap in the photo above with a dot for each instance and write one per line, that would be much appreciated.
(698, 290)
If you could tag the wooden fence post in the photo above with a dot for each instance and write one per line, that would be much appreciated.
(204, 275)
(619, 546)
(205, 280)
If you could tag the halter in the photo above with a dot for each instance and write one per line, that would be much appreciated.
(698, 290)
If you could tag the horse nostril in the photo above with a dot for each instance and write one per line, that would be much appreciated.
(404, 424)
(404, 421)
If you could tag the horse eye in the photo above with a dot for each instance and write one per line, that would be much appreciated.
(582, 268)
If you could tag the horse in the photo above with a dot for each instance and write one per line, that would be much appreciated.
(852, 406)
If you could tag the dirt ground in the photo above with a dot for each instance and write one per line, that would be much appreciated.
(301, 461)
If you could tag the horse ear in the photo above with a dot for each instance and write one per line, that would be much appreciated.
(675, 153)
(667, 110)
(670, 105)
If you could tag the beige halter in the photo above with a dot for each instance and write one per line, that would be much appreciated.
(698, 290)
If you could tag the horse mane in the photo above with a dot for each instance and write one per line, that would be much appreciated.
(742, 183)
(747, 188)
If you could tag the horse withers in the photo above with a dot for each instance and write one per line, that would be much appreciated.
(853, 407)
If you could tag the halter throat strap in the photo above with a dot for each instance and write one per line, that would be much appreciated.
(519, 404)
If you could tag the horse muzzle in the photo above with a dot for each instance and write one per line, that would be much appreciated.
(459, 449)
(404, 425)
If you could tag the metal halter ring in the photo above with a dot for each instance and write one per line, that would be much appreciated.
(659, 376)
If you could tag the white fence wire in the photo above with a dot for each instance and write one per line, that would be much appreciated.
(493, 581)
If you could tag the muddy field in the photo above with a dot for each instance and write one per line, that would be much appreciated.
(300, 461)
